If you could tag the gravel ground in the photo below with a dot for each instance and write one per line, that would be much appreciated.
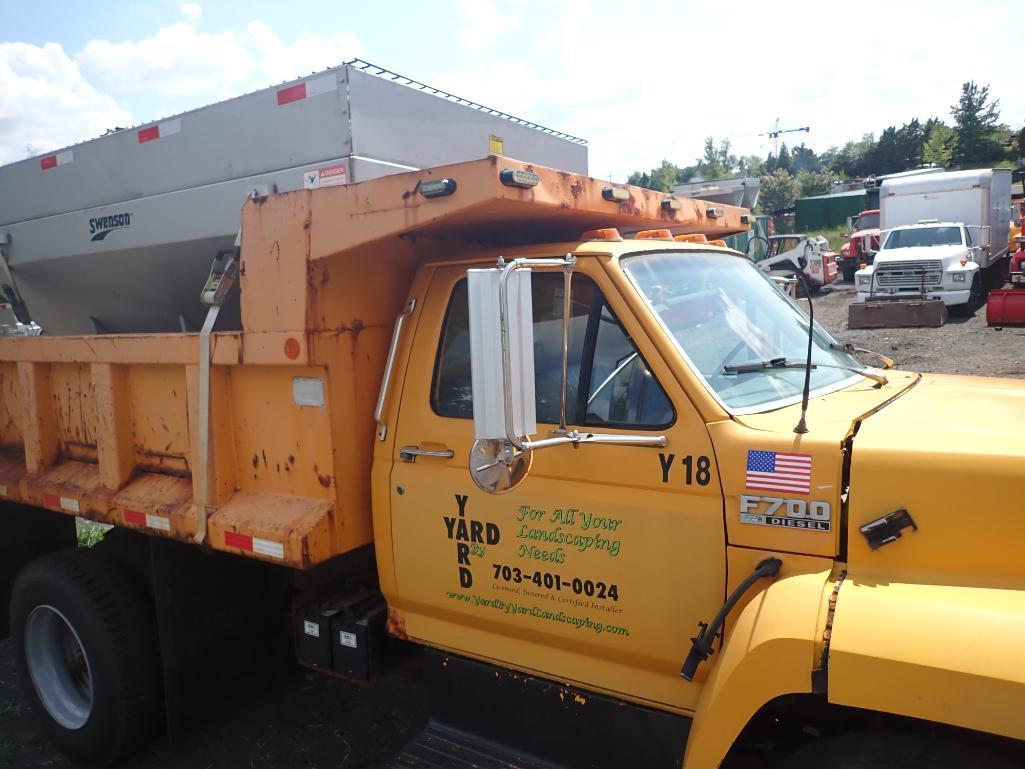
(308, 721)
(962, 346)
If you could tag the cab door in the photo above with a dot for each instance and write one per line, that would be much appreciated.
(597, 568)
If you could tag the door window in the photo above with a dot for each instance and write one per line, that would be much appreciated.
(609, 384)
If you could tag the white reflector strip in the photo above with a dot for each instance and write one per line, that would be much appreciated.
(321, 85)
(170, 127)
(268, 547)
(69, 504)
(3, 490)
(158, 522)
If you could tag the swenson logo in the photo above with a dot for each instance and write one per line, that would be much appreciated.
(101, 226)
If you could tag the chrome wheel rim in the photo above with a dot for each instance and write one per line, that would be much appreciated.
(59, 667)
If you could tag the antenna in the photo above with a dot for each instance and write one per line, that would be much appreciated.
(775, 132)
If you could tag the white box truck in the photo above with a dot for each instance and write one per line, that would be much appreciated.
(116, 234)
(944, 239)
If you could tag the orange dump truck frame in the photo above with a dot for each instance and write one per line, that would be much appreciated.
(311, 495)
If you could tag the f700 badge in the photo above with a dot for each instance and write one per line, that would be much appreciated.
(786, 513)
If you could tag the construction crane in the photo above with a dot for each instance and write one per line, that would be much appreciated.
(774, 134)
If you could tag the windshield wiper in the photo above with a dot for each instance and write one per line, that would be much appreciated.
(778, 363)
(848, 347)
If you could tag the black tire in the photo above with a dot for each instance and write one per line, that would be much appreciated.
(112, 622)
(976, 298)
(890, 750)
(848, 273)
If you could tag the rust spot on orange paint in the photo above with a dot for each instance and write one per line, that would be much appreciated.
(325, 480)
(292, 348)
(397, 625)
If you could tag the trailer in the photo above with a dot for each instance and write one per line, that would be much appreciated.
(537, 431)
(113, 235)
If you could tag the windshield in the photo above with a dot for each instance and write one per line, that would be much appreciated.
(867, 222)
(722, 311)
(924, 236)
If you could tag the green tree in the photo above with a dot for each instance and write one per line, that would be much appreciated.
(803, 158)
(814, 183)
(750, 165)
(938, 146)
(717, 161)
(976, 122)
(661, 178)
(779, 190)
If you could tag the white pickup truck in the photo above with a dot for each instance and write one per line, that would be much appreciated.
(930, 259)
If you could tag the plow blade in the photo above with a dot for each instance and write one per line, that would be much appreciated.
(1006, 308)
(897, 314)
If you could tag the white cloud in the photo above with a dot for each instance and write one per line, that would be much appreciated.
(46, 103)
(481, 23)
(191, 11)
(180, 61)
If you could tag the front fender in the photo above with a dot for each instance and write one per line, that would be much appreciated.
(948, 654)
(771, 648)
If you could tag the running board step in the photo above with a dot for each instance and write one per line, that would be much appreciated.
(442, 747)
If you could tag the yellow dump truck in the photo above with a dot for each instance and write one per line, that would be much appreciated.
(544, 432)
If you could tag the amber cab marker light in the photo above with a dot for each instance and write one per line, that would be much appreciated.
(672, 204)
(654, 235)
(514, 177)
(608, 233)
(696, 237)
(437, 188)
(745, 218)
(715, 213)
(718, 243)
(615, 194)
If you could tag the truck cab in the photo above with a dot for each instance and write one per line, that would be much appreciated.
(862, 243)
(930, 259)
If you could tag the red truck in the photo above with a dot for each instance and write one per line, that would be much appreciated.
(862, 244)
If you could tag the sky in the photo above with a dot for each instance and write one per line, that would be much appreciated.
(640, 81)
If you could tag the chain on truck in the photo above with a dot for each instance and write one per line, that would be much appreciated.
(593, 470)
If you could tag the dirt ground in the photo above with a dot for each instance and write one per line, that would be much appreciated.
(962, 346)
(306, 721)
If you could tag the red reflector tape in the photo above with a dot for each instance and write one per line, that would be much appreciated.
(160, 130)
(254, 544)
(59, 159)
(61, 503)
(291, 94)
(149, 134)
(135, 517)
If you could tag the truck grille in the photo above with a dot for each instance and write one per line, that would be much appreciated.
(909, 274)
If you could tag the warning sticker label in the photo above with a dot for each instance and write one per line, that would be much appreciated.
(328, 176)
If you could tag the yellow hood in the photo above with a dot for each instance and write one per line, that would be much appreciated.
(951, 450)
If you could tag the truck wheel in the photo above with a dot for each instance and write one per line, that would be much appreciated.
(848, 273)
(85, 644)
(890, 750)
(976, 298)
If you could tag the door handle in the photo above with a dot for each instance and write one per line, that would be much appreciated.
(410, 453)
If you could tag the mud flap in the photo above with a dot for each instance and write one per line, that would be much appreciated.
(897, 314)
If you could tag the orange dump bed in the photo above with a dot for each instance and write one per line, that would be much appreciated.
(107, 427)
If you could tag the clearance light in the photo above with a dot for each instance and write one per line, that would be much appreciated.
(719, 243)
(715, 213)
(615, 194)
(693, 238)
(672, 204)
(862, 266)
(437, 188)
(654, 235)
(964, 262)
(745, 218)
(609, 233)
(514, 177)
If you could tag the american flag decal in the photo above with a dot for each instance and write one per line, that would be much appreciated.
(779, 471)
